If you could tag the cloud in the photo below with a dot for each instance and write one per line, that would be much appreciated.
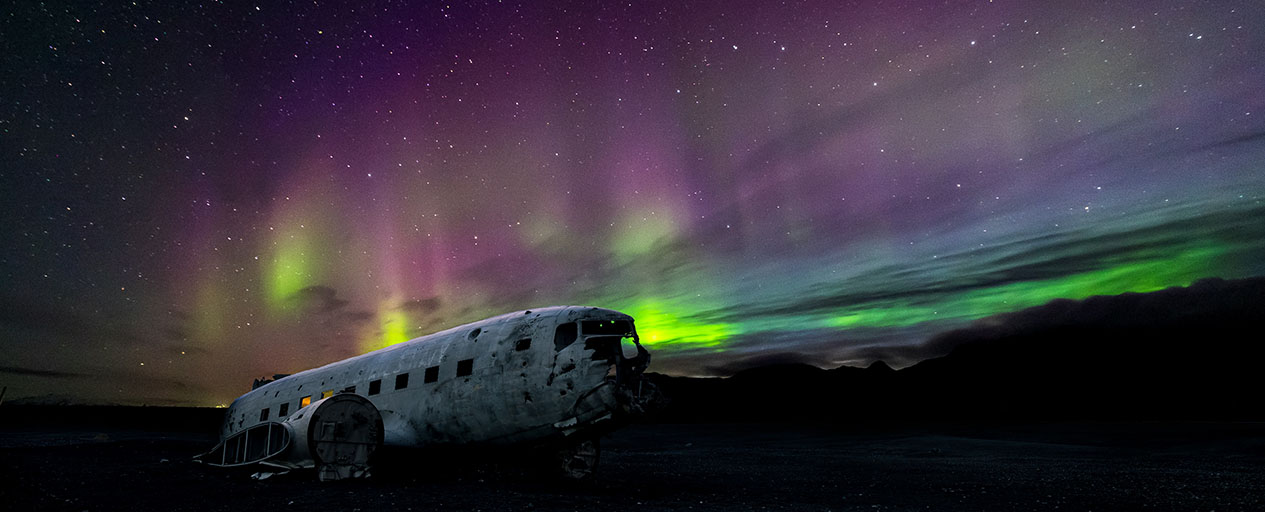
(32, 372)
(37, 317)
(166, 384)
(807, 135)
(1021, 259)
(982, 279)
(355, 317)
(1247, 138)
(36, 325)
(424, 306)
(317, 299)
(756, 361)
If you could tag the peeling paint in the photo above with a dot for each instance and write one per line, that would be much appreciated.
(493, 404)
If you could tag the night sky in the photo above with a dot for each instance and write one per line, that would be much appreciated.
(195, 196)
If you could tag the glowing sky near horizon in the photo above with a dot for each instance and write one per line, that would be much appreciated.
(200, 196)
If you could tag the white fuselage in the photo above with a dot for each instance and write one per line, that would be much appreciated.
(506, 379)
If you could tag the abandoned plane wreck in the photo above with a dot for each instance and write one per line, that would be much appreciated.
(557, 376)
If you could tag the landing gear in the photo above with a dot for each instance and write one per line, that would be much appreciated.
(578, 461)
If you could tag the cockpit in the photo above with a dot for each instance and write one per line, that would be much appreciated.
(612, 341)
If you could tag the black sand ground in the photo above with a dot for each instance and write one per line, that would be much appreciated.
(907, 466)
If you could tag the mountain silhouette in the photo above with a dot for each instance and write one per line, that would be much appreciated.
(1179, 353)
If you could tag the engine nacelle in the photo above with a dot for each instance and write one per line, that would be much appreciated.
(335, 435)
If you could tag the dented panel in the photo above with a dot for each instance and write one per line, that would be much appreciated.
(528, 376)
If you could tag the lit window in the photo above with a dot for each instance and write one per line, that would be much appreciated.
(305, 401)
(465, 367)
(327, 394)
(375, 387)
(432, 375)
(401, 381)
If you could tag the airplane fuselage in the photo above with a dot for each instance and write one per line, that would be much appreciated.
(523, 376)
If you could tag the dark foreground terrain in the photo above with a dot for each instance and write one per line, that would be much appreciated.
(893, 466)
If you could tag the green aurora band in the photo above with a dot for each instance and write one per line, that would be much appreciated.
(1144, 271)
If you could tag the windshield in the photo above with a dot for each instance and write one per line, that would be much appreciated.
(607, 328)
(609, 336)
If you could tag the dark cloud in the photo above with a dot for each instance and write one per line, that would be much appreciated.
(1045, 256)
(809, 133)
(38, 317)
(1248, 138)
(1094, 141)
(36, 320)
(755, 361)
(423, 306)
(33, 372)
(317, 299)
(166, 383)
(355, 317)
(896, 355)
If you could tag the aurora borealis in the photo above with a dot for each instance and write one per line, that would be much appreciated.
(199, 196)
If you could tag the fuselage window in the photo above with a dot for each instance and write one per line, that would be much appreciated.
(565, 335)
(348, 389)
(523, 344)
(401, 381)
(305, 401)
(465, 367)
(263, 415)
(327, 393)
(375, 387)
(431, 375)
(283, 410)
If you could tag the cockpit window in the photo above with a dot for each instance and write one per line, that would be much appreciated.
(565, 335)
(606, 337)
(604, 347)
(607, 327)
